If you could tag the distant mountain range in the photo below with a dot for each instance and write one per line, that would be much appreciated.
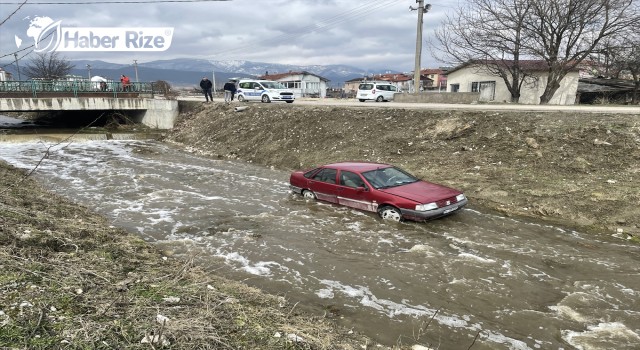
(185, 72)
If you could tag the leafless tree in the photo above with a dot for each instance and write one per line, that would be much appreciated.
(619, 58)
(500, 35)
(48, 66)
(488, 34)
(565, 32)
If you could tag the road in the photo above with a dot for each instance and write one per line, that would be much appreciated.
(605, 109)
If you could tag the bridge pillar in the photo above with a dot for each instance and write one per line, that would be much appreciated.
(160, 114)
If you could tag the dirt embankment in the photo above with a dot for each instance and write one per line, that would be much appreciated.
(578, 170)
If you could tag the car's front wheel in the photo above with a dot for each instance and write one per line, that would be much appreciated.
(265, 99)
(379, 99)
(241, 98)
(308, 194)
(390, 213)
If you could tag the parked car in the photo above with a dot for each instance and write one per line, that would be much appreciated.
(376, 91)
(390, 191)
(263, 90)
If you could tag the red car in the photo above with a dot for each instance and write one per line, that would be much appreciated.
(391, 192)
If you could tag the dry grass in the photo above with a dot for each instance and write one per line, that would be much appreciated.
(68, 280)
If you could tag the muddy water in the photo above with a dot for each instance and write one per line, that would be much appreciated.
(507, 283)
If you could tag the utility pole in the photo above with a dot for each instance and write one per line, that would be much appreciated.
(213, 76)
(422, 9)
(135, 67)
(89, 69)
(15, 54)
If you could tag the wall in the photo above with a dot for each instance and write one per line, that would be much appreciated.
(155, 113)
(530, 92)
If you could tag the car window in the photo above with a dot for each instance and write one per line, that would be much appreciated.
(326, 175)
(350, 179)
(383, 87)
(393, 88)
(309, 173)
(273, 85)
(388, 177)
(245, 85)
(365, 87)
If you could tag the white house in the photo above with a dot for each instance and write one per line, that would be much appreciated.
(470, 77)
(303, 84)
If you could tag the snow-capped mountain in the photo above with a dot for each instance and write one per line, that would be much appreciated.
(182, 71)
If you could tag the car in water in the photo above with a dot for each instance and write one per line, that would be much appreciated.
(382, 188)
(263, 90)
(376, 91)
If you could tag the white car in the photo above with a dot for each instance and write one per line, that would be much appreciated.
(263, 90)
(375, 91)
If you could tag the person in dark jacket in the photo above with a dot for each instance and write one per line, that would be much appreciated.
(229, 91)
(206, 86)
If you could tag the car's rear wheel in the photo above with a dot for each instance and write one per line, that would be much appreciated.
(379, 99)
(241, 98)
(390, 213)
(362, 100)
(308, 194)
(265, 99)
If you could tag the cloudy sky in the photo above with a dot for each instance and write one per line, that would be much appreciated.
(368, 34)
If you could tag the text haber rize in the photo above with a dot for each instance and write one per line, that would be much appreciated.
(133, 40)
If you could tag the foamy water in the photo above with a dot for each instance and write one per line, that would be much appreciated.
(516, 284)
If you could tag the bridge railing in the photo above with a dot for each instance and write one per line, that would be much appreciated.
(47, 88)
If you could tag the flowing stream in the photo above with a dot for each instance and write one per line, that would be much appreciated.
(475, 277)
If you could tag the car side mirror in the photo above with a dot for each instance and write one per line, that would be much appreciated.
(361, 189)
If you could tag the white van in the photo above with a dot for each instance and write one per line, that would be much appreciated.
(376, 91)
(263, 90)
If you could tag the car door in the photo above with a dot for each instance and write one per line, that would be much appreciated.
(391, 93)
(323, 184)
(353, 192)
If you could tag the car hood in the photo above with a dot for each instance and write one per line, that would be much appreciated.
(422, 192)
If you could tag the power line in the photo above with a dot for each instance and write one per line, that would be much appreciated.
(355, 13)
(14, 12)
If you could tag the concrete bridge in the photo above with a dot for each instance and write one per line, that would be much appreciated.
(155, 113)
(136, 100)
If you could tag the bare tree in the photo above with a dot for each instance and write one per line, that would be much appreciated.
(565, 32)
(48, 66)
(488, 34)
(634, 66)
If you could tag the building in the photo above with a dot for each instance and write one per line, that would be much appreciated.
(438, 78)
(303, 84)
(5, 76)
(472, 77)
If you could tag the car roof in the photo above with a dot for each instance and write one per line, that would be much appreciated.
(357, 166)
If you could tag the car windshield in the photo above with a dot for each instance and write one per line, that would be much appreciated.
(388, 177)
(272, 85)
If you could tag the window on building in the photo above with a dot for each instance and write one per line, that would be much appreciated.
(455, 87)
(475, 86)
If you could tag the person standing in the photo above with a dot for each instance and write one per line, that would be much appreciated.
(206, 86)
(126, 83)
(229, 91)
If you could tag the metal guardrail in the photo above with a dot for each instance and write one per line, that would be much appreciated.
(75, 88)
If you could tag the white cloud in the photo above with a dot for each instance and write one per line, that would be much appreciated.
(370, 34)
